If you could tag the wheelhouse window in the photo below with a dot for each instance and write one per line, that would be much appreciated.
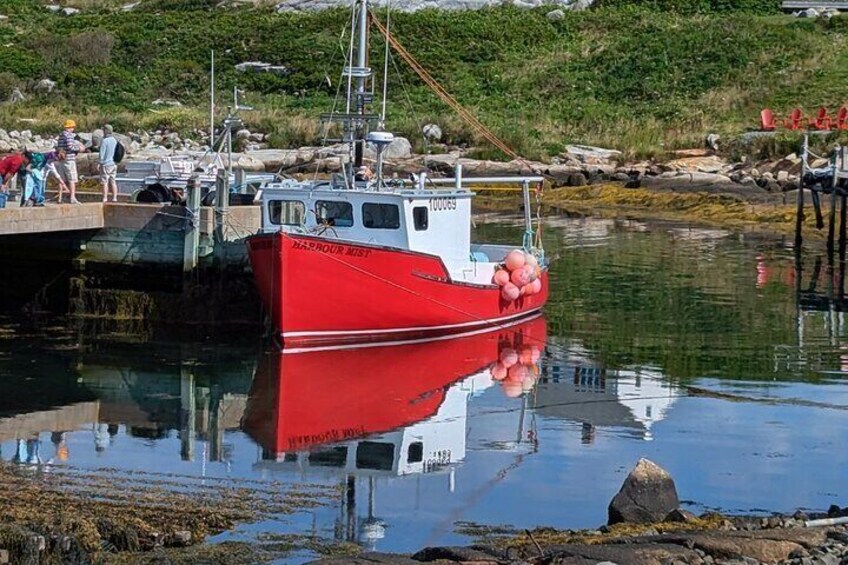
(286, 212)
(334, 213)
(420, 218)
(380, 216)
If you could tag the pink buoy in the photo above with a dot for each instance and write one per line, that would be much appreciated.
(528, 384)
(515, 260)
(510, 292)
(535, 354)
(512, 389)
(526, 356)
(501, 277)
(508, 357)
(517, 373)
(535, 287)
(498, 371)
(530, 259)
(530, 272)
(519, 277)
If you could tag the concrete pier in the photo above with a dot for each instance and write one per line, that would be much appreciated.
(15, 220)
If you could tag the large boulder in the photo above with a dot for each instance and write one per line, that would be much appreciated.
(400, 148)
(647, 495)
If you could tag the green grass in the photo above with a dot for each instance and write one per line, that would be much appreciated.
(644, 77)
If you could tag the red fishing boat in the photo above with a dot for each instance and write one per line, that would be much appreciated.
(315, 402)
(361, 257)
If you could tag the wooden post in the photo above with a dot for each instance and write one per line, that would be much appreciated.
(842, 228)
(222, 205)
(799, 210)
(192, 228)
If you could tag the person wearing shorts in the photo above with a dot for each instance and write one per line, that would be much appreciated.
(108, 168)
(67, 169)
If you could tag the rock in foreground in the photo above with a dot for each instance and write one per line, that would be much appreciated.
(648, 495)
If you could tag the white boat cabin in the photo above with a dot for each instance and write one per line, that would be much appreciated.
(433, 221)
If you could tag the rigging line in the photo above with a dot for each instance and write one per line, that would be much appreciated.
(446, 97)
(415, 115)
(484, 321)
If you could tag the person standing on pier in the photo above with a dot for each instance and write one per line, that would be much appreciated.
(68, 168)
(108, 167)
(9, 167)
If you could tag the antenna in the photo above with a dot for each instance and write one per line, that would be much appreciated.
(212, 104)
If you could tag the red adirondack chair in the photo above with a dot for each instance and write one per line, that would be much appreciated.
(767, 120)
(842, 118)
(795, 119)
(822, 120)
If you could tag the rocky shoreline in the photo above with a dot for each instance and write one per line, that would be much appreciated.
(688, 171)
(71, 516)
(738, 541)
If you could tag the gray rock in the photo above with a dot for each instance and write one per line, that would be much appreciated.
(577, 179)
(243, 134)
(14, 134)
(462, 554)
(161, 102)
(5, 146)
(555, 15)
(260, 67)
(130, 7)
(45, 85)
(96, 137)
(712, 141)
(53, 8)
(588, 154)
(432, 132)
(648, 495)
(400, 148)
(16, 96)
(680, 515)
(70, 11)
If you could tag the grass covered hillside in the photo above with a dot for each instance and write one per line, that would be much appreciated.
(643, 76)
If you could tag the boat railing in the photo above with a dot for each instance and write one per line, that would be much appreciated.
(459, 181)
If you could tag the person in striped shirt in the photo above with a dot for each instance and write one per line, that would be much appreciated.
(68, 168)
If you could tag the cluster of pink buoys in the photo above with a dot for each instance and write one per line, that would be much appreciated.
(517, 370)
(518, 276)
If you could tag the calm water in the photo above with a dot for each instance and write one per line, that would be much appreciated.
(424, 441)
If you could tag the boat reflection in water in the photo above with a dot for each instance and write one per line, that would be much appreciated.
(383, 411)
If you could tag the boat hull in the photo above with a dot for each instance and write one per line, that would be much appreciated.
(322, 291)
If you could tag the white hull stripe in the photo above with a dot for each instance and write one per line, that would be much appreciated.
(287, 350)
(492, 323)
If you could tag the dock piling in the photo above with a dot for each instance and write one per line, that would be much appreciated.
(192, 226)
(799, 211)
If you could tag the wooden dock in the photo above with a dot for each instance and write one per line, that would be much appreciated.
(130, 234)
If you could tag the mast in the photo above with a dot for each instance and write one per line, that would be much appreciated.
(362, 73)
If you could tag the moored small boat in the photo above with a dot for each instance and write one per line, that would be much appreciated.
(362, 258)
